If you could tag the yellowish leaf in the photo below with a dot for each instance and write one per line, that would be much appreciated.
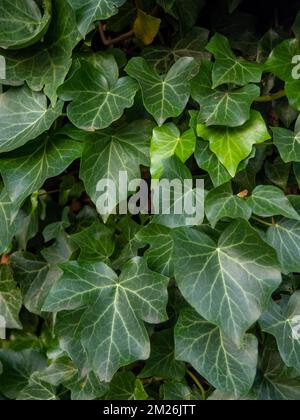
(146, 27)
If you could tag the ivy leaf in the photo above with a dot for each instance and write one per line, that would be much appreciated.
(278, 172)
(275, 381)
(96, 243)
(25, 170)
(179, 206)
(17, 367)
(164, 96)
(283, 322)
(229, 283)
(284, 237)
(31, 111)
(267, 201)
(225, 365)
(111, 328)
(233, 145)
(222, 107)
(209, 162)
(36, 278)
(37, 390)
(220, 203)
(160, 254)
(162, 363)
(83, 385)
(86, 387)
(192, 45)
(127, 243)
(288, 144)
(113, 151)
(230, 69)
(22, 23)
(8, 214)
(62, 248)
(10, 298)
(177, 391)
(281, 63)
(125, 386)
(60, 371)
(167, 142)
(146, 27)
(89, 11)
(96, 84)
(47, 63)
(66, 330)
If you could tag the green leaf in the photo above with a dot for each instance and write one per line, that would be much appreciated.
(163, 96)
(226, 366)
(233, 145)
(166, 142)
(220, 203)
(36, 278)
(96, 243)
(17, 369)
(160, 254)
(46, 65)
(37, 390)
(8, 214)
(177, 391)
(288, 144)
(209, 162)
(161, 58)
(284, 237)
(25, 170)
(62, 248)
(283, 322)
(177, 203)
(89, 11)
(31, 111)
(229, 283)
(125, 386)
(162, 363)
(96, 84)
(10, 298)
(86, 387)
(66, 330)
(82, 384)
(230, 69)
(278, 172)
(112, 151)
(111, 328)
(281, 63)
(60, 371)
(22, 23)
(222, 107)
(276, 382)
(267, 201)
(127, 243)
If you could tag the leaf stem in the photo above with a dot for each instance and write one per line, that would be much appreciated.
(108, 42)
(198, 383)
(272, 97)
(263, 222)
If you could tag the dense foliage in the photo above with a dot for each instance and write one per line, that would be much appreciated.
(108, 306)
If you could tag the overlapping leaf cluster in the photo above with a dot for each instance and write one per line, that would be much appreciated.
(102, 306)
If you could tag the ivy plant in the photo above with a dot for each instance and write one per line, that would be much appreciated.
(110, 305)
